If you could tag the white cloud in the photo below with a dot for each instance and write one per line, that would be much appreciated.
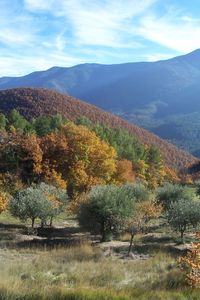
(171, 31)
(22, 65)
(103, 23)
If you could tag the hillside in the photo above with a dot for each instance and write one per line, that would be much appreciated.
(34, 102)
(162, 96)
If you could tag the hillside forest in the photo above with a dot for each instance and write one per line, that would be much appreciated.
(93, 214)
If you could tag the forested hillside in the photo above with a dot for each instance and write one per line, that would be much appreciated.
(32, 102)
(161, 96)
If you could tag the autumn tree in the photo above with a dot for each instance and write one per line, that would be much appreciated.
(124, 172)
(144, 212)
(21, 155)
(55, 159)
(190, 264)
(91, 160)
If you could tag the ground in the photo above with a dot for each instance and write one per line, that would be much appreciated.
(65, 263)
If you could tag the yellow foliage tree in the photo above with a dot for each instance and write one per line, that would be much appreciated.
(91, 160)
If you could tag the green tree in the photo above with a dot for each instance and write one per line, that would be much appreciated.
(17, 120)
(3, 122)
(107, 210)
(41, 201)
(42, 125)
(171, 193)
(184, 214)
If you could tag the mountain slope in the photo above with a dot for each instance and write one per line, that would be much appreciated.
(161, 96)
(32, 102)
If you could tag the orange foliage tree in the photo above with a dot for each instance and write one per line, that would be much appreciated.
(191, 264)
(124, 172)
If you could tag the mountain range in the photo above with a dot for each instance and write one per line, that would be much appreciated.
(161, 96)
(33, 102)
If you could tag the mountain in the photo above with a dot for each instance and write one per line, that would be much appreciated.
(32, 102)
(161, 96)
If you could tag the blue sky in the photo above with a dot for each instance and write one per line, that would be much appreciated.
(39, 34)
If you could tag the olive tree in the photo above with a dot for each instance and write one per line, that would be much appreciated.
(171, 193)
(107, 210)
(184, 214)
(41, 201)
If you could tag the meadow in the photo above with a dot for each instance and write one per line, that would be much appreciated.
(64, 263)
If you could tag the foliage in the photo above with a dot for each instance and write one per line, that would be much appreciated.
(146, 161)
(171, 193)
(184, 214)
(3, 202)
(124, 172)
(191, 264)
(41, 201)
(91, 160)
(107, 210)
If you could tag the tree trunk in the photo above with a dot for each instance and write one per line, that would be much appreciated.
(32, 222)
(103, 232)
(42, 224)
(131, 243)
(51, 222)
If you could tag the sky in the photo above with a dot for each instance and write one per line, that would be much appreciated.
(39, 34)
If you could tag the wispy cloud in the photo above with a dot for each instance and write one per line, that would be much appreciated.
(180, 33)
(37, 34)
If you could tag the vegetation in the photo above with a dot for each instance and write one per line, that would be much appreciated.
(115, 187)
(107, 210)
(32, 103)
(42, 201)
(172, 193)
(184, 214)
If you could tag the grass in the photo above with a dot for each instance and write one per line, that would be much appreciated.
(82, 272)
(84, 268)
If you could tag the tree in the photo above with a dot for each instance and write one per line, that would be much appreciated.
(155, 171)
(41, 201)
(184, 214)
(17, 120)
(91, 160)
(124, 172)
(107, 210)
(171, 193)
(3, 122)
(21, 155)
(42, 125)
(191, 264)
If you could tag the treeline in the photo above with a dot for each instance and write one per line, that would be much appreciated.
(77, 156)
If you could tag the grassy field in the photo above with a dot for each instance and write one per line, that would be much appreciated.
(43, 267)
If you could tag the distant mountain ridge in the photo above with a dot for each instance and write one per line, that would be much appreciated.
(32, 102)
(160, 96)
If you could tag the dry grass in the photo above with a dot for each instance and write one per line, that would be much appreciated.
(84, 273)
(83, 267)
